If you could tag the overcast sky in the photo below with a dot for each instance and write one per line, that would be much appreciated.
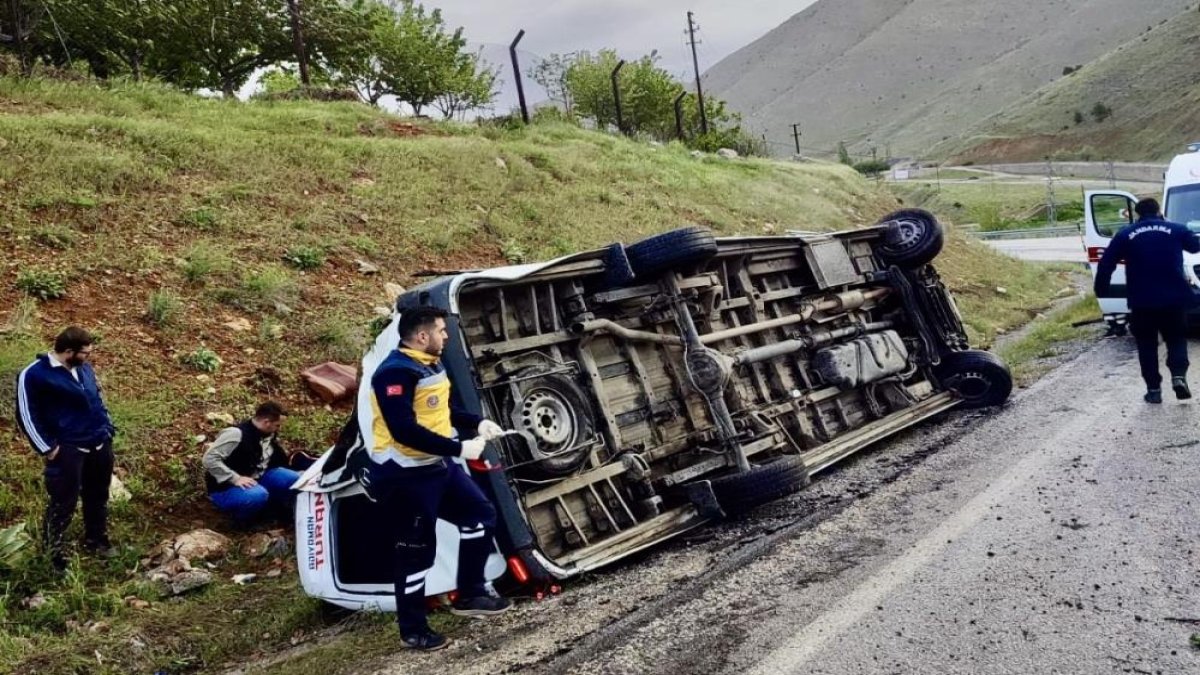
(632, 27)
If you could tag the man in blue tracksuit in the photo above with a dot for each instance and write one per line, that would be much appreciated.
(414, 433)
(60, 409)
(1158, 292)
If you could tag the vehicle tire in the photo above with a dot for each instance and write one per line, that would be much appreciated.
(555, 413)
(654, 255)
(980, 378)
(740, 492)
(913, 238)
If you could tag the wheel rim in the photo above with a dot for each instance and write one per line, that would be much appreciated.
(972, 385)
(905, 234)
(549, 418)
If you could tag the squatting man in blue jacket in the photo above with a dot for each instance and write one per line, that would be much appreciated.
(413, 479)
(60, 410)
(1158, 292)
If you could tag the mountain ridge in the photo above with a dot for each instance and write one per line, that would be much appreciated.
(912, 73)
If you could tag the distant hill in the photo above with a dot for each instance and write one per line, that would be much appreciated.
(1149, 88)
(911, 73)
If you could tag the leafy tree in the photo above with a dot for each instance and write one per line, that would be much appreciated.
(844, 154)
(278, 81)
(362, 69)
(420, 64)
(408, 54)
(648, 95)
(219, 43)
(1101, 112)
(551, 74)
(470, 84)
(19, 20)
(109, 35)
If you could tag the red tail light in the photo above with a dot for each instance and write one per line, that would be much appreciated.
(1094, 253)
(518, 570)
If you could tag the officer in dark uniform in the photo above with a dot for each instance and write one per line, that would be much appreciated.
(1158, 292)
(414, 432)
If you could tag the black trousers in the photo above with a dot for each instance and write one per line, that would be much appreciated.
(72, 474)
(1147, 325)
(411, 501)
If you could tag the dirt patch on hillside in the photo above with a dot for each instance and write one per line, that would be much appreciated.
(1033, 148)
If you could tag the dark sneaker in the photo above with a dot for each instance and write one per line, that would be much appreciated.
(1180, 385)
(1153, 396)
(423, 640)
(101, 548)
(484, 605)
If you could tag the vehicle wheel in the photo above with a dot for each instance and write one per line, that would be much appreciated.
(980, 378)
(556, 417)
(654, 255)
(740, 492)
(913, 238)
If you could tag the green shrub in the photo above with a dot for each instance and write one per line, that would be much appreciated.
(513, 251)
(203, 259)
(42, 284)
(364, 244)
(1101, 112)
(202, 359)
(56, 237)
(163, 308)
(269, 329)
(342, 340)
(202, 219)
(305, 257)
(377, 326)
(872, 167)
(268, 288)
(14, 546)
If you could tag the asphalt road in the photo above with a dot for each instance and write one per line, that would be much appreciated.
(1056, 535)
(1048, 249)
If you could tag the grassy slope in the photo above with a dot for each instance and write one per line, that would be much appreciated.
(1150, 83)
(136, 190)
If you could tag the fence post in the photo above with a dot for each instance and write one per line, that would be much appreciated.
(679, 114)
(512, 52)
(616, 87)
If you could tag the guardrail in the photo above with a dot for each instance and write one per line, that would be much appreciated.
(1034, 233)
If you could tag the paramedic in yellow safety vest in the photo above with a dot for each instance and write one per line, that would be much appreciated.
(415, 483)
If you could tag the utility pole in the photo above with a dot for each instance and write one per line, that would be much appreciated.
(298, 41)
(696, 66)
(1051, 216)
(796, 135)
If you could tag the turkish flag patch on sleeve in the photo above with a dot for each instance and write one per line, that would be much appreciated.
(395, 390)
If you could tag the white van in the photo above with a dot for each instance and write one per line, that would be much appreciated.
(1107, 211)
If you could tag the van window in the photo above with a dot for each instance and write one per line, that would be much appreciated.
(1183, 205)
(1110, 213)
